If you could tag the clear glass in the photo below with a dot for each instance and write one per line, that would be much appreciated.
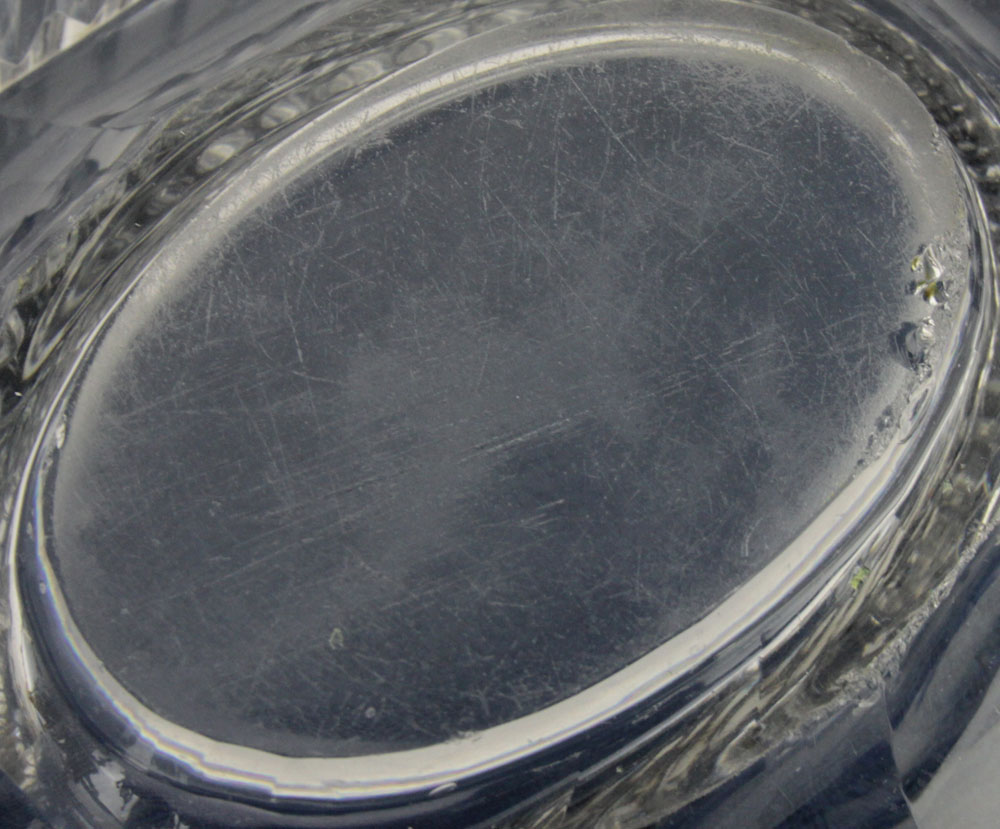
(531, 414)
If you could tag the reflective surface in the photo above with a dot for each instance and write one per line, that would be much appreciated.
(423, 447)
(570, 416)
(33, 31)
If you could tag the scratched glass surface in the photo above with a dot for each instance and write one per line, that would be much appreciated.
(507, 433)
(455, 365)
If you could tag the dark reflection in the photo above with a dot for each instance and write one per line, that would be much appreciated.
(867, 764)
(947, 672)
(17, 811)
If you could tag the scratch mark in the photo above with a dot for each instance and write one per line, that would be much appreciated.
(600, 117)
(208, 313)
(482, 368)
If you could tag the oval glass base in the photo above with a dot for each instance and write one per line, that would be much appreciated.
(466, 412)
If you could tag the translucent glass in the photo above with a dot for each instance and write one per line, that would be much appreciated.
(560, 414)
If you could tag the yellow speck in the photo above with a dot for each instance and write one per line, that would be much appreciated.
(336, 639)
